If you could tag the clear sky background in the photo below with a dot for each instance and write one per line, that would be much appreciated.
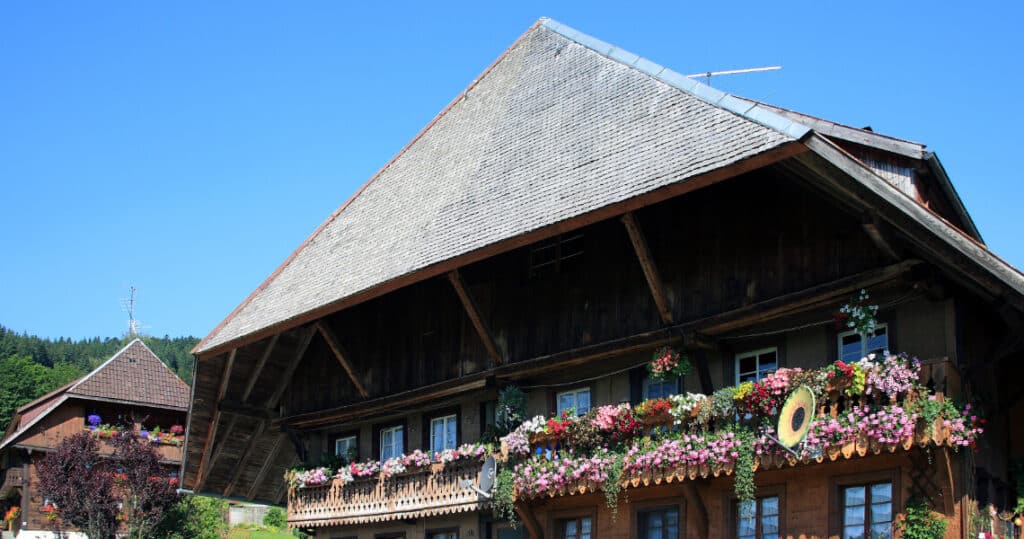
(187, 148)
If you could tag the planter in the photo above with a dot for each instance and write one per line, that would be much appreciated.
(663, 419)
(833, 452)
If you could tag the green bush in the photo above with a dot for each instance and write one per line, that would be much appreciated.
(275, 518)
(921, 522)
(195, 517)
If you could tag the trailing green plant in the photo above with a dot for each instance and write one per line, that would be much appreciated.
(743, 475)
(722, 404)
(929, 409)
(504, 497)
(613, 485)
(921, 522)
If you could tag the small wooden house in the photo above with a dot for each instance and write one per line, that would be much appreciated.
(576, 209)
(132, 391)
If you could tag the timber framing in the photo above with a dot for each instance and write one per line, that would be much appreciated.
(335, 346)
(211, 431)
(817, 297)
(278, 443)
(474, 316)
(643, 254)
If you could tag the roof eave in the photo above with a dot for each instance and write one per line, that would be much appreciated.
(939, 171)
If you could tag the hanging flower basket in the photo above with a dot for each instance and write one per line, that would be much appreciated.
(668, 364)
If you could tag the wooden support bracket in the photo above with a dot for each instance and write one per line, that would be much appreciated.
(211, 431)
(289, 371)
(643, 254)
(267, 464)
(879, 238)
(474, 316)
(243, 460)
(332, 343)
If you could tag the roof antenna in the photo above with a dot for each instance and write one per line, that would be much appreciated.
(128, 305)
(708, 74)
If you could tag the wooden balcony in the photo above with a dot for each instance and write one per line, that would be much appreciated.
(432, 491)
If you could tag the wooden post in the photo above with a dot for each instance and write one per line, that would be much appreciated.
(643, 254)
(474, 316)
(332, 343)
(211, 431)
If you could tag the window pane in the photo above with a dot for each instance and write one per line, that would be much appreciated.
(565, 401)
(853, 532)
(747, 509)
(770, 505)
(881, 492)
(853, 496)
(437, 435)
(748, 364)
(585, 524)
(853, 515)
(398, 442)
(570, 528)
(746, 527)
(583, 402)
(770, 524)
(879, 342)
(672, 524)
(451, 429)
(881, 531)
(767, 361)
(850, 348)
(881, 512)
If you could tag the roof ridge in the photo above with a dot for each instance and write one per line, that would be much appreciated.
(713, 96)
(316, 232)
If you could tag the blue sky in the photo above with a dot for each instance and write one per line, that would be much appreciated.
(187, 148)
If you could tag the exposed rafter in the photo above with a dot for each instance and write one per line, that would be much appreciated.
(332, 343)
(211, 431)
(643, 254)
(289, 371)
(474, 316)
(267, 464)
(874, 231)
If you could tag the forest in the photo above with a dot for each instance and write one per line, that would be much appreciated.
(31, 366)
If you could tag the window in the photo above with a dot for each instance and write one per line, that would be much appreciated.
(347, 448)
(661, 523)
(576, 399)
(867, 511)
(853, 345)
(758, 519)
(443, 534)
(659, 389)
(752, 366)
(391, 442)
(444, 433)
(575, 528)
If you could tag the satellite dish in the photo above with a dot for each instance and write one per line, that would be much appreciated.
(487, 473)
(795, 417)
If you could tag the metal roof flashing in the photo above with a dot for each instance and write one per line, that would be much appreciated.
(718, 98)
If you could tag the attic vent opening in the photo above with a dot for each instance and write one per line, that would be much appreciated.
(556, 255)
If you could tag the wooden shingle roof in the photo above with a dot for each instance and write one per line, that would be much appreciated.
(559, 126)
(135, 375)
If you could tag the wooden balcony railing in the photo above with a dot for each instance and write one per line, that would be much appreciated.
(435, 490)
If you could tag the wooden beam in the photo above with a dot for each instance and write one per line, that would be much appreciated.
(874, 232)
(259, 368)
(289, 371)
(643, 254)
(761, 160)
(693, 498)
(211, 431)
(533, 528)
(267, 465)
(332, 343)
(815, 297)
(235, 408)
(218, 449)
(243, 460)
(474, 316)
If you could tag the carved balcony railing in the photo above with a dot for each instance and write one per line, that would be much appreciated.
(433, 490)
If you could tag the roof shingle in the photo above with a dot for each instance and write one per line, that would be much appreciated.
(135, 375)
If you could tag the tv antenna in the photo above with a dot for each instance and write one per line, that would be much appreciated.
(128, 305)
(708, 74)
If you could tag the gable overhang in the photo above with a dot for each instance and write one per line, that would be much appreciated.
(968, 260)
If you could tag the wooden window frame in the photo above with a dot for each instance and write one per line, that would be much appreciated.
(555, 394)
(863, 342)
(429, 417)
(654, 505)
(733, 516)
(838, 483)
(430, 531)
(556, 518)
(756, 353)
(378, 428)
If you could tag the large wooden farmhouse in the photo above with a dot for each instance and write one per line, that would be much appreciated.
(576, 212)
(132, 391)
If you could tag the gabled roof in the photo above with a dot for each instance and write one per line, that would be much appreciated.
(560, 125)
(134, 375)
